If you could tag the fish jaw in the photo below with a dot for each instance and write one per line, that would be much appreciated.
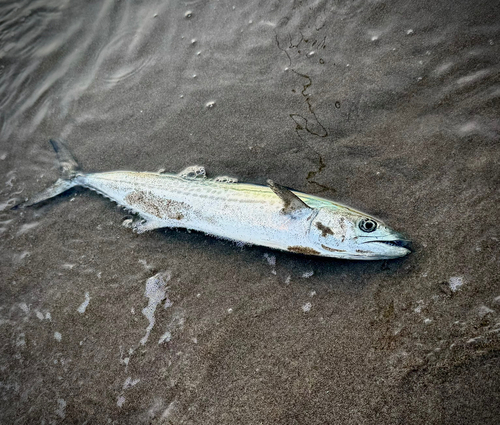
(368, 251)
(385, 250)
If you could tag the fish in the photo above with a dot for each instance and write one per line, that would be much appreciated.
(273, 216)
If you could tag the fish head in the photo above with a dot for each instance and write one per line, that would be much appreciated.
(345, 233)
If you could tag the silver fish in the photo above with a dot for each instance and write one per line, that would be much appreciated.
(271, 216)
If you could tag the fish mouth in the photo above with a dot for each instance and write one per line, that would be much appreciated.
(402, 243)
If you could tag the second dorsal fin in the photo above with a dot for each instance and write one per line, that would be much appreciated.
(292, 203)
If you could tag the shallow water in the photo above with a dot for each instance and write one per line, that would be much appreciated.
(391, 107)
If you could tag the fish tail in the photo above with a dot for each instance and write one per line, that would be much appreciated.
(69, 171)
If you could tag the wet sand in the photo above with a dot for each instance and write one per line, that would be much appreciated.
(391, 108)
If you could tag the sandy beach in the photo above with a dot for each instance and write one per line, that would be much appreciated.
(389, 107)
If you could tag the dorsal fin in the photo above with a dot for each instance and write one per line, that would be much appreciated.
(292, 203)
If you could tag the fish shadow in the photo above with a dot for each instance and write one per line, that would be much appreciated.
(332, 272)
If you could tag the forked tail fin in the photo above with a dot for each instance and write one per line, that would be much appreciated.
(69, 167)
(69, 170)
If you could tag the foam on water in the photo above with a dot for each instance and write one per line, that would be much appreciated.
(120, 401)
(306, 307)
(156, 292)
(456, 283)
(83, 306)
(61, 408)
(166, 337)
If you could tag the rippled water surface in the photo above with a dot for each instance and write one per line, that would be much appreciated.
(391, 107)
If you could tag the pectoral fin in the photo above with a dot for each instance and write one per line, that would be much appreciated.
(292, 203)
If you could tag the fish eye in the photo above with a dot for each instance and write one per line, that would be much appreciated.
(367, 225)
